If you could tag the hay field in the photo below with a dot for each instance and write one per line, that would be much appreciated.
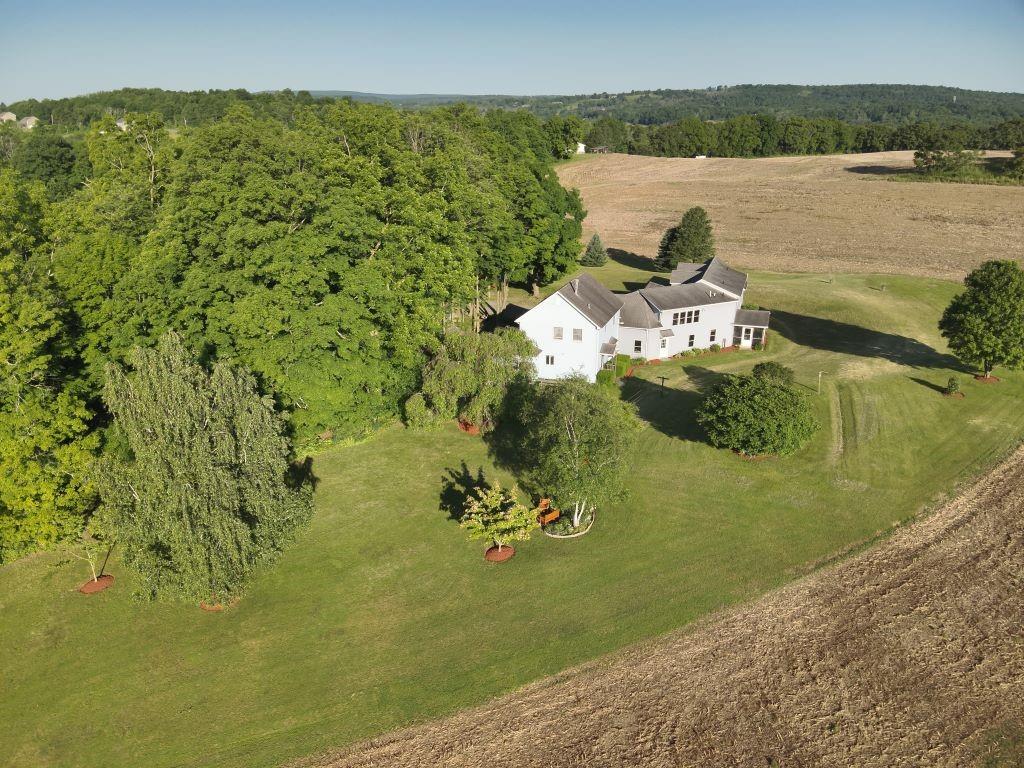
(835, 213)
(908, 654)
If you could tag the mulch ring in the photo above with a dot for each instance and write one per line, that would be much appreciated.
(987, 379)
(469, 429)
(92, 587)
(495, 555)
(954, 395)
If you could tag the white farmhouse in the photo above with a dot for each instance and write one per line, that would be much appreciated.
(581, 326)
(581, 148)
(8, 117)
(28, 123)
(575, 329)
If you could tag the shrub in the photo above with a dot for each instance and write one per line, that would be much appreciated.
(418, 414)
(757, 346)
(715, 348)
(606, 378)
(756, 415)
(952, 386)
(622, 364)
(775, 371)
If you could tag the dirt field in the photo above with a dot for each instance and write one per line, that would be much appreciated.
(838, 213)
(908, 654)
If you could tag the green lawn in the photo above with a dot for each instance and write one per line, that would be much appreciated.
(384, 614)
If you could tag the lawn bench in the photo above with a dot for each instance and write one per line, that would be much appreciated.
(545, 513)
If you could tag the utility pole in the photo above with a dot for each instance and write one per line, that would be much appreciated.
(662, 378)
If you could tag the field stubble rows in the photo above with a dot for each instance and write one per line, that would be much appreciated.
(834, 213)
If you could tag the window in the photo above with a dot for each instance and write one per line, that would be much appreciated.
(713, 332)
(558, 333)
(696, 315)
(746, 334)
(549, 359)
(692, 339)
(577, 334)
(677, 317)
(664, 343)
(638, 347)
(689, 316)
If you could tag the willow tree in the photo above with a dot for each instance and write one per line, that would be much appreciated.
(202, 496)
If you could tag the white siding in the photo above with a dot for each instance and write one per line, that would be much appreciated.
(570, 357)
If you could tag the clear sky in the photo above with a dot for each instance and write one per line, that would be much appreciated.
(54, 48)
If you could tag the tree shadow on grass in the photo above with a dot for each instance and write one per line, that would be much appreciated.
(847, 339)
(457, 485)
(670, 410)
(300, 473)
(932, 386)
(632, 260)
(879, 170)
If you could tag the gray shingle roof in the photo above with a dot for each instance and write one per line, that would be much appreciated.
(757, 318)
(717, 273)
(685, 295)
(637, 313)
(685, 272)
(596, 302)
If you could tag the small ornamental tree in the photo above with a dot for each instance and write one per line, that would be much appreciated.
(578, 439)
(691, 241)
(469, 376)
(985, 324)
(494, 514)
(757, 415)
(202, 496)
(774, 371)
(596, 254)
(952, 387)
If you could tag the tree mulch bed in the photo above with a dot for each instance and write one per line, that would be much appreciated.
(495, 555)
(469, 429)
(954, 395)
(987, 379)
(92, 587)
(211, 607)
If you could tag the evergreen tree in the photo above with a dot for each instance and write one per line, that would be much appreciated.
(595, 255)
(691, 241)
(202, 497)
(985, 324)
(45, 449)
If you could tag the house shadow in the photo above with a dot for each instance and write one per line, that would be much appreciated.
(505, 319)
(670, 410)
(845, 338)
(632, 260)
(457, 485)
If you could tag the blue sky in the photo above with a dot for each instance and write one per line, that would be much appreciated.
(53, 48)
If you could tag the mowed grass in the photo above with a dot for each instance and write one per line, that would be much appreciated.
(383, 614)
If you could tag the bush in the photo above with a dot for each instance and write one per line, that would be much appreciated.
(715, 348)
(757, 346)
(952, 386)
(606, 378)
(757, 415)
(622, 364)
(418, 414)
(775, 371)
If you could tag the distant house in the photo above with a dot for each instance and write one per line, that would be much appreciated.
(581, 148)
(700, 157)
(599, 150)
(122, 124)
(28, 123)
(579, 328)
(8, 117)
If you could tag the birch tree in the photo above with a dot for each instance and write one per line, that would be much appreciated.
(578, 440)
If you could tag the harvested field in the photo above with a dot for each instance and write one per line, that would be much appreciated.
(907, 654)
(835, 213)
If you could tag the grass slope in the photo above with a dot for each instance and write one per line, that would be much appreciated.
(383, 613)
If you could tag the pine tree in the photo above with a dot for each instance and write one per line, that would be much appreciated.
(595, 255)
(203, 497)
(691, 241)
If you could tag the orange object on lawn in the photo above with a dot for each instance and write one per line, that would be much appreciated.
(547, 514)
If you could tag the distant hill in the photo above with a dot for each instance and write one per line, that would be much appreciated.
(852, 103)
(892, 104)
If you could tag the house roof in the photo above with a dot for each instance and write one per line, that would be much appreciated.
(637, 313)
(685, 272)
(609, 347)
(664, 297)
(593, 300)
(717, 273)
(666, 332)
(7, 117)
(758, 318)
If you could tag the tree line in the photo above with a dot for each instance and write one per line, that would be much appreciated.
(281, 280)
(765, 135)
